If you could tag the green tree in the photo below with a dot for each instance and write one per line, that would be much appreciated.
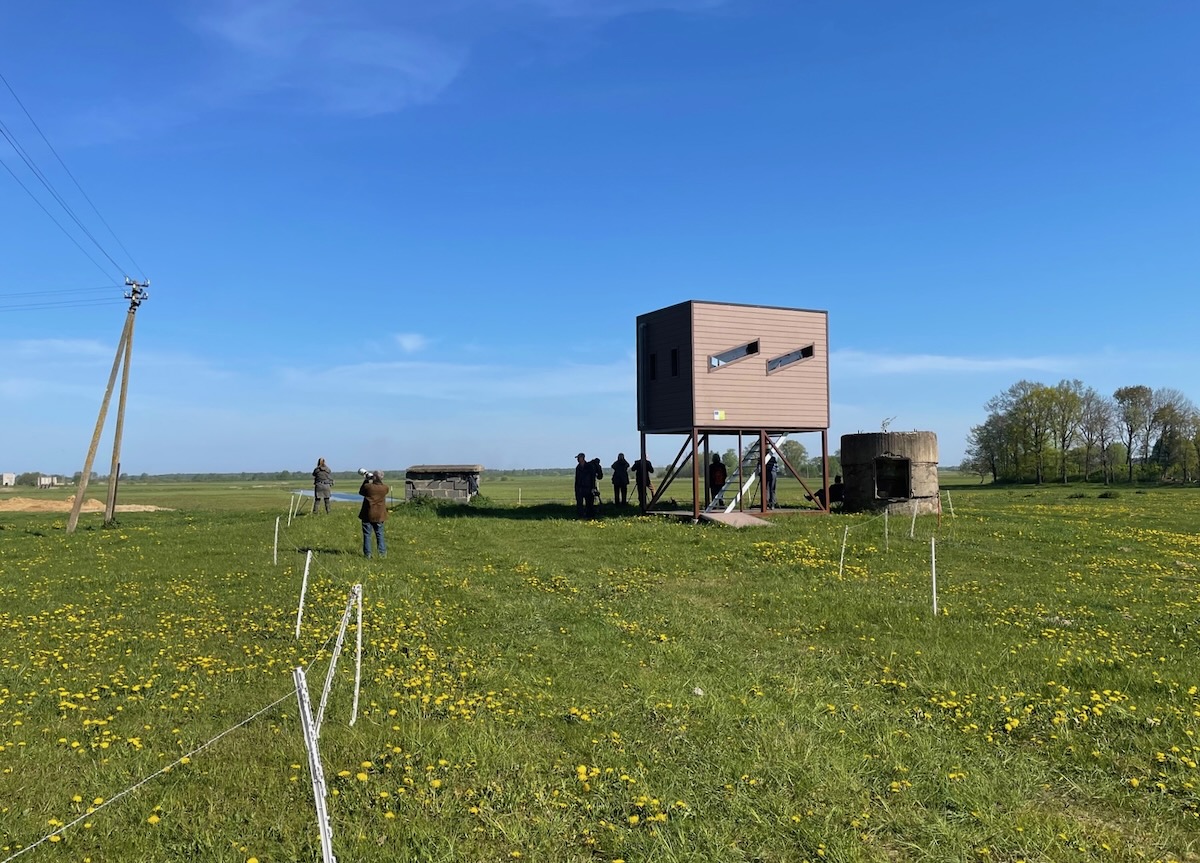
(1135, 414)
(1097, 418)
(30, 478)
(795, 454)
(1066, 409)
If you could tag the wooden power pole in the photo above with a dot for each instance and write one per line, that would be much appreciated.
(136, 295)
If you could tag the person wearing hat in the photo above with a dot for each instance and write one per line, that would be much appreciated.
(585, 485)
(373, 512)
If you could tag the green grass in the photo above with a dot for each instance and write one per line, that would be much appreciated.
(538, 688)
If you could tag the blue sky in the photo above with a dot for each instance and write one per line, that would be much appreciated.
(388, 232)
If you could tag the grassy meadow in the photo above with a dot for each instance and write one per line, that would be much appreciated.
(631, 689)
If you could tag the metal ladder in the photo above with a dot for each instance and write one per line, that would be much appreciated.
(749, 473)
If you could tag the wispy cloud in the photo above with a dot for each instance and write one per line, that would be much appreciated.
(615, 8)
(469, 383)
(863, 363)
(344, 58)
(410, 343)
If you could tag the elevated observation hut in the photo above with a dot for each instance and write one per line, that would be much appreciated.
(724, 369)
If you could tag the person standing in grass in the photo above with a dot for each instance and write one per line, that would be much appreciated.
(620, 479)
(322, 484)
(373, 512)
(585, 486)
(643, 472)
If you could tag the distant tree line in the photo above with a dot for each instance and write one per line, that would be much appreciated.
(1039, 433)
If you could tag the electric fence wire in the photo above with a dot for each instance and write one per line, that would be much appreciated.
(44, 180)
(183, 759)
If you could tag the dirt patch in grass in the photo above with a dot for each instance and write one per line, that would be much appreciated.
(29, 504)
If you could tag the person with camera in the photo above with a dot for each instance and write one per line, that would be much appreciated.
(373, 512)
(587, 475)
(322, 484)
(620, 479)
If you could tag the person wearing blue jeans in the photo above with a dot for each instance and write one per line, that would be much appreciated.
(373, 512)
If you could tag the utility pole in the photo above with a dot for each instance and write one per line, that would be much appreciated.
(136, 295)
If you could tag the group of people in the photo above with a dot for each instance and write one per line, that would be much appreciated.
(372, 513)
(589, 473)
(718, 475)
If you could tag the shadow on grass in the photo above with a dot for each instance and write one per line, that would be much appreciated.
(538, 512)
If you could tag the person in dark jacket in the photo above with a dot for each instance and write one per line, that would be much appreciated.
(597, 475)
(322, 484)
(837, 493)
(643, 473)
(620, 479)
(373, 512)
(717, 476)
(585, 486)
(772, 472)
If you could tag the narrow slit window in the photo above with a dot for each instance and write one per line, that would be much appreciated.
(674, 362)
(781, 362)
(653, 368)
(716, 361)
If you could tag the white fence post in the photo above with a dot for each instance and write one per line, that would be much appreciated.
(950, 501)
(355, 592)
(303, 591)
(842, 559)
(311, 744)
(933, 570)
(885, 530)
(357, 657)
(913, 527)
(275, 553)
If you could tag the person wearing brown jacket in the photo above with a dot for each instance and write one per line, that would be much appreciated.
(373, 512)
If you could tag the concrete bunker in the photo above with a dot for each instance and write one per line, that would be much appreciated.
(458, 482)
(891, 470)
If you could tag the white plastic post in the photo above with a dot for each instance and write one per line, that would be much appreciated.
(913, 527)
(842, 559)
(303, 591)
(885, 529)
(291, 506)
(314, 765)
(333, 660)
(357, 656)
(933, 570)
(518, 497)
(950, 501)
(275, 553)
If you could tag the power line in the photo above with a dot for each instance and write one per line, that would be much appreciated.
(6, 294)
(20, 150)
(67, 233)
(37, 172)
(66, 304)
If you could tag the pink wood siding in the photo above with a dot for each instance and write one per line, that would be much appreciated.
(796, 396)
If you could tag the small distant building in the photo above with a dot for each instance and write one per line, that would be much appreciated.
(49, 481)
(442, 481)
(8, 479)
